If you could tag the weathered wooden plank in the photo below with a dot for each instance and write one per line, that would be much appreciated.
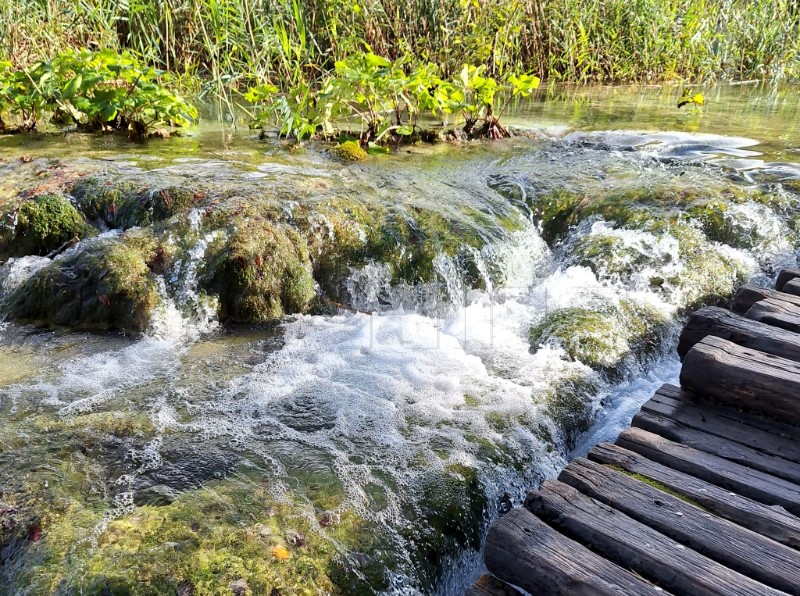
(526, 552)
(744, 378)
(737, 415)
(773, 522)
(748, 294)
(488, 585)
(792, 287)
(712, 320)
(735, 547)
(708, 421)
(731, 450)
(751, 483)
(637, 546)
(786, 275)
(777, 313)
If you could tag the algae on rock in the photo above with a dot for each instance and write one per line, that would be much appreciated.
(40, 225)
(260, 272)
(103, 284)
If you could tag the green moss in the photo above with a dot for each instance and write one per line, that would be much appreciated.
(40, 225)
(603, 336)
(106, 285)
(656, 484)
(570, 404)
(125, 204)
(349, 151)
(260, 272)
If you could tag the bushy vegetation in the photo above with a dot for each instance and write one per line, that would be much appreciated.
(96, 91)
(241, 42)
(379, 100)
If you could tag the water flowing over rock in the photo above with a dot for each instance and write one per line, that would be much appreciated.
(332, 376)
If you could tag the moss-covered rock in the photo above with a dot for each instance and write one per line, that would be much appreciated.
(603, 336)
(104, 285)
(39, 226)
(571, 403)
(260, 272)
(125, 204)
(349, 151)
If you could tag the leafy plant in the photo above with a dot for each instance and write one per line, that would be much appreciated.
(95, 90)
(386, 99)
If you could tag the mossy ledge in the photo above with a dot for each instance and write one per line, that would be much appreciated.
(260, 272)
(40, 225)
(104, 284)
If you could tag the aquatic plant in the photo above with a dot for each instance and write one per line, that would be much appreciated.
(95, 91)
(386, 103)
(107, 284)
(223, 45)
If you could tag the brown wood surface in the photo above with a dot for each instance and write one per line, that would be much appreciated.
(792, 287)
(636, 546)
(735, 477)
(748, 294)
(731, 450)
(737, 415)
(712, 320)
(743, 378)
(488, 585)
(777, 313)
(707, 420)
(735, 547)
(526, 552)
(774, 522)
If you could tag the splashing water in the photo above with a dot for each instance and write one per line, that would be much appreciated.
(375, 443)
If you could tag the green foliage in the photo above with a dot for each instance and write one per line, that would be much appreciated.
(386, 100)
(231, 44)
(94, 90)
(687, 98)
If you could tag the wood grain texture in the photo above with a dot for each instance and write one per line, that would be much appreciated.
(774, 522)
(526, 552)
(636, 546)
(792, 287)
(748, 294)
(673, 430)
(735, 415)
(743, 378)
(749, 333)
(786, 275)
(735, 477)
(488, 585)
(777, 313)
(735, 547)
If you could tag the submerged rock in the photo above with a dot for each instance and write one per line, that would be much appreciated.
(39, 226)
(104, 284)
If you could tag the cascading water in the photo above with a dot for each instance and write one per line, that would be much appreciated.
(519, 306)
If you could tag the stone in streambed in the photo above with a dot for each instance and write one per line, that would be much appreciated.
(106, 284)
(40, 225)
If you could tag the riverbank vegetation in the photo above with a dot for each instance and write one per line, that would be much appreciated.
(310, 65)
(237, 43)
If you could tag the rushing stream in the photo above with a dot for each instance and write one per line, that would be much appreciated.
(335, 376)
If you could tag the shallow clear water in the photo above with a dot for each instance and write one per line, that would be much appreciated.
(390, 433)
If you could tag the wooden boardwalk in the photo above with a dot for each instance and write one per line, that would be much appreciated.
(700, 496)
